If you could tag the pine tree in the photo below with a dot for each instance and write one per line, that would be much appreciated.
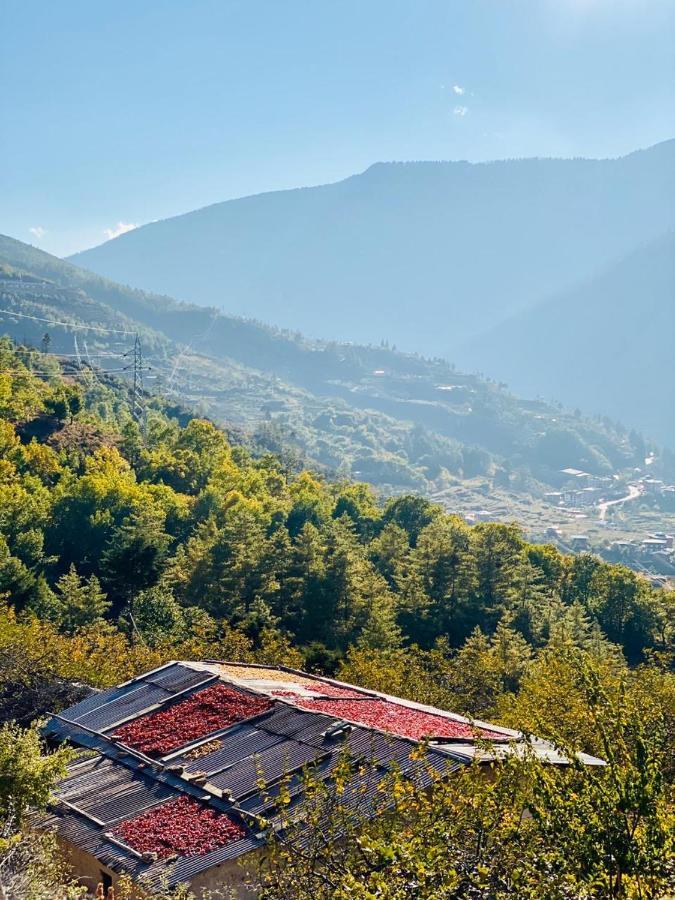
(81, 601)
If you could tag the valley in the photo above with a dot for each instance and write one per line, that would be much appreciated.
(399, 421)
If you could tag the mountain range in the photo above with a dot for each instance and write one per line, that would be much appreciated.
(552, 275)
(423, 255)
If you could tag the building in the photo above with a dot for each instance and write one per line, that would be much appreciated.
(587, 496)
(178, 770)
(652, 485)
(480, 515)
(621, 545)
(654, 545)
(580, 542)
(577, 478)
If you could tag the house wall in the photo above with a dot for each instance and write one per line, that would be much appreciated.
(85, 867)
(229, 877)
(227, 881)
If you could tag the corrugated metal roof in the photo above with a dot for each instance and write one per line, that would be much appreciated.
(234, 747)
(117, 785)
(287, 721)
(109, 791)
(177, 678)
(98, 698)
(142, 697)
(245, 776)
(187, 867)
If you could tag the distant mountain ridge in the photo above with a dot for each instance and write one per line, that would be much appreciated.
(424, 255)
(606, 345)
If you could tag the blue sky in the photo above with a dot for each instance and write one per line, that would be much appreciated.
(136, 110)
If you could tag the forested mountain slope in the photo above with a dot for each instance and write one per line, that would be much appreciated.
(121, 550)
(394, 419)
(606, 345)
(173, 522)
(422, 254)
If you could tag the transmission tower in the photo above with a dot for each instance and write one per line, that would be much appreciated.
(137, 409)
(138, 379)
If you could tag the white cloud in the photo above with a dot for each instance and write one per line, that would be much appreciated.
(458, 89)
(38, 231)
(120, 228)
(460, 111)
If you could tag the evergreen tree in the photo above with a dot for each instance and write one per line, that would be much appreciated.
(80, 601)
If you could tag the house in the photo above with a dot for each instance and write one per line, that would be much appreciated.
(576, 478)
(580, 542)
(654, 545)
(480, 515)
(569, 496)
(652, 485)
(667, 497)
(177, 771)
(588, 496)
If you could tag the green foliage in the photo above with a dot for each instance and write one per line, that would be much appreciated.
(32, 867)
(419, 424)
(79, 602)
(27, 775)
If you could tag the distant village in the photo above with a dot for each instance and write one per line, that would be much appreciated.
(580, 495)
(653, 553)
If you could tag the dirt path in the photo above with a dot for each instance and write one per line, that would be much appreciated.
(633, 493)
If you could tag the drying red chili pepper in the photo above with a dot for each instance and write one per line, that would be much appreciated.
(180, 826)
(323, 690)
(396, 718)
(208, 710)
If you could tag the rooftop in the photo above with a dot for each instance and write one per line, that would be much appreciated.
(180, 767)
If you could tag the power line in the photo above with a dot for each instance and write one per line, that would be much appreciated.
(137, 364)
(66, 374)
(7, 312)
(111, 355)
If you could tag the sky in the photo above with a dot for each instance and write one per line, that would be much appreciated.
(116, 114)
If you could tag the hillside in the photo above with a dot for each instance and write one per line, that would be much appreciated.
(605, 345)
(120, 551)
(174, 521)
(421, 254)
(394, 419)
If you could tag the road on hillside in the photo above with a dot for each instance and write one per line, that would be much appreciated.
(633, 493)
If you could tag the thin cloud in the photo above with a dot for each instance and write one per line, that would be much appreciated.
(120, 228)
(38, 231)
(460, 111)
(458, 89)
